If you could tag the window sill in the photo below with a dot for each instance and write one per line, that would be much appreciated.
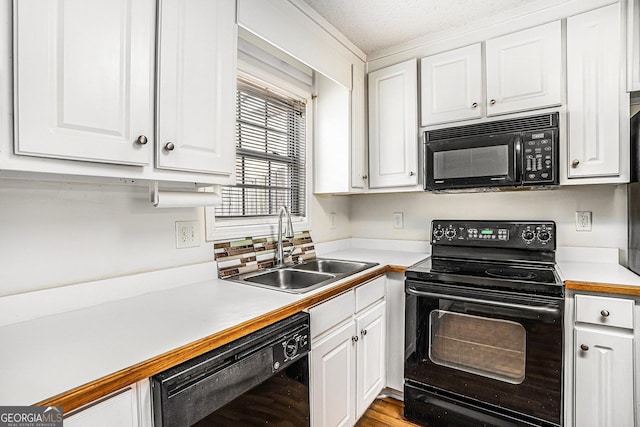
(217, 230)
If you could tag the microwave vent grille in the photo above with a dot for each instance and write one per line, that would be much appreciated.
(541, 121)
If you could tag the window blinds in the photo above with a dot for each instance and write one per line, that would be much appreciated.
(270, 155)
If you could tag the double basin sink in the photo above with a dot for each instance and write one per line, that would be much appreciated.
(306, 276)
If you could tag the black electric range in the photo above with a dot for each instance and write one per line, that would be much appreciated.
(484, 326)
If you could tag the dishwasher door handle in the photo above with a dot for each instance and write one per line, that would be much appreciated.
(533, 308)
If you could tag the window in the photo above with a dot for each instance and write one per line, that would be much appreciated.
(270, 155)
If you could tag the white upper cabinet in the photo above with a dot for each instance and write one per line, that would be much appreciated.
(339, 149)
(197, 53)
(451, 86)
(593, 93)
(393, 126)
(633, 45)
(524, 70)
(83, 79)
(358, 129)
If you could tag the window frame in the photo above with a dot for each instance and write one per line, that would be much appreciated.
(225, 228)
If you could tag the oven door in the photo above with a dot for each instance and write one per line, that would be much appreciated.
(482, 349)
(472, 162)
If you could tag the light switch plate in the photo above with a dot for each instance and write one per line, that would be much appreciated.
(398, 220)
(583, 220)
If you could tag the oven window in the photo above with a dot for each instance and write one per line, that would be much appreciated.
(492, 348)
(471, 162)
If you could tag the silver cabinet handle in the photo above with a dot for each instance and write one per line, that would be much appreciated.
(575, 163)
(492, 102)
(412, 173)
(142, 140)
(604, 313)
(363, 332)
(584, 347)
(474, 105)
(169, 146)
(354, 338)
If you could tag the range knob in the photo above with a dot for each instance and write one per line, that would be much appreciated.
(450, 233)
(438, 233)
(528, 235)
(544, 236)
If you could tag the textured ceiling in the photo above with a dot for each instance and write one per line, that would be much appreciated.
(377, 24)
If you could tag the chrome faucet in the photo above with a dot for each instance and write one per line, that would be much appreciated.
(279, 260)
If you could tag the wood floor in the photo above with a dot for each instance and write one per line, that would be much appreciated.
(385, 412)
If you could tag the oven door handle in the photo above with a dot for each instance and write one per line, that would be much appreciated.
(537, 309)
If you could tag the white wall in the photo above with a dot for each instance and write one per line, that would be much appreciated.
(322, 229)
(371, 215)
(53, 234)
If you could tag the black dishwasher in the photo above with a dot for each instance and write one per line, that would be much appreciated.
(262, 378)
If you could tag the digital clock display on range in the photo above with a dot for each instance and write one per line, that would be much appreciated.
(486, 231)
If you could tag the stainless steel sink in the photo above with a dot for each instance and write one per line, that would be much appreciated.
(333, 266)
(288, 279)
(304, 277)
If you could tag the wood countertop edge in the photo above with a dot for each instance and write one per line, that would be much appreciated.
(610, 288)
(87, 393)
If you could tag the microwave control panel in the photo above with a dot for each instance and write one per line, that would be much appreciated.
(539, 157)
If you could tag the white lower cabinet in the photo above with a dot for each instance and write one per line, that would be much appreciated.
(347, 360)
(129, 407)
(603, 357)
(604, 378)
(333, 378)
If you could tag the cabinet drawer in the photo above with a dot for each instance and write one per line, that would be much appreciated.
(369, 293)
(604, 311)
(330, 313)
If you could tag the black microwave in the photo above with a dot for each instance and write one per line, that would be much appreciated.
(520, 152)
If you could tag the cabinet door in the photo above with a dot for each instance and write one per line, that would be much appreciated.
(83, 73)
(524, 70)
(120, 410)
(196, 86)
(451, 86)
(333, 379)
(370, 356)
(393, 126)
(593, 91)
(358, 123)
(331, 152)
(633, 45)
(603, 378)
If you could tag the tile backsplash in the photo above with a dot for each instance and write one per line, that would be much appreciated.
(256, 253)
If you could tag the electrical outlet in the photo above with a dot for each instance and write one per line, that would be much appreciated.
(583, 220)
(187, 234)
(333, 220)
(398, 220)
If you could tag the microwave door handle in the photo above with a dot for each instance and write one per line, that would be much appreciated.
(536, 309)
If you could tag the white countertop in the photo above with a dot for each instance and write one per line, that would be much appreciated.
(594, 265)
(48, 355)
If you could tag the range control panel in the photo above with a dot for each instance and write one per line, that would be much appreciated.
(539, 156)
(503, 234)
